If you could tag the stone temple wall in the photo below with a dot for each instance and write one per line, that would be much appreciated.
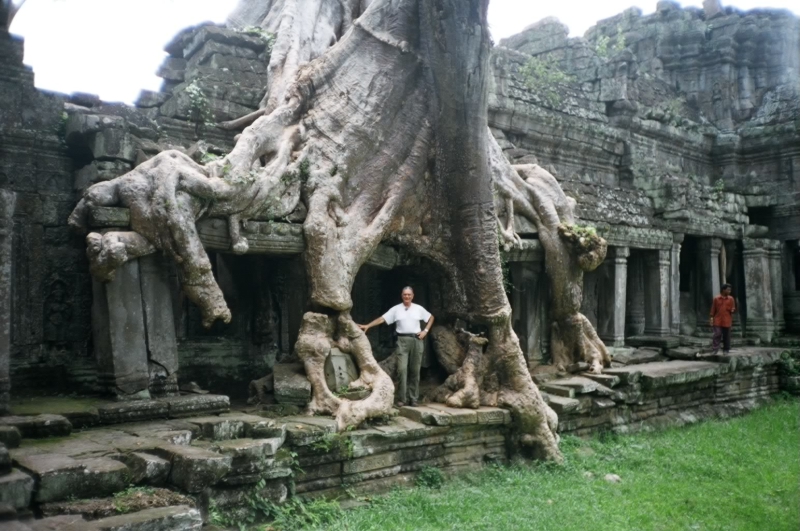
(677, 133)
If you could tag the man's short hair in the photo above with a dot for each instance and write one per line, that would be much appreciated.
(409, 288)
(726, 286)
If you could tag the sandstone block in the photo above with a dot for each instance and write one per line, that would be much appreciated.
(426, 415)
(10, 436)
(147, 469)
(16, 489)
(60, 477)
(562, 404)
(457, 416)
(39, 425)
(493, 415)
(558, 390)
(188, 405)
(179, 518)
(132, 411)
(291, 384)
(194, 469)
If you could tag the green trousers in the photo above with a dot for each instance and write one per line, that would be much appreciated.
(409, 361)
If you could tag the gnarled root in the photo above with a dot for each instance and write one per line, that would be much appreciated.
(575, 334)
(450, 352)
(494, 374)
(314, 342)
(463, 387)
(109, 251)
(535, 422)
(588, 248)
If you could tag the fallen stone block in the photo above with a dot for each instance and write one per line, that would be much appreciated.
(189, 405)
(639, 356)
(248, 456)
(562, 404)
(609, 380)
(60, 477)
(458, 416)
(39, 425)
(291, 384)
(132, 411)
(580, 385)
(683, 353)
(180, 518)
(558, 390)
(493, 415)
(16, 489)
(146, 468)
(58, 523)
(127, 501)
(425, 415)
(194, 469)
(10, 436)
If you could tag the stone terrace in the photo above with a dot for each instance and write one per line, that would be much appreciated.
(221, 459)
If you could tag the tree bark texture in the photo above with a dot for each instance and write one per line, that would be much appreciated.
(375, 119)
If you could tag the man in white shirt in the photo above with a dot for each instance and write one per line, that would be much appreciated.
(409, 343)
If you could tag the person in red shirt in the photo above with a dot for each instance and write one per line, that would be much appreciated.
(722, 310)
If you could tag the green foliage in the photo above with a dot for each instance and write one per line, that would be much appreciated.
(198, 102)
(583, 231)
(544, 77)
(733, 475)
(209, 157)
(789, 364)
(301, 174)
(123, 500)
(719, 189)
(338, 442)
(429, 477)
(605, 48)
(293, 515)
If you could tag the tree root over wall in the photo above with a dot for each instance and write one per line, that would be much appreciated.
(375, 119)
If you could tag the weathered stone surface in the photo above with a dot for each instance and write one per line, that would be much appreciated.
(16, 489)
(5, 459)
(426, 415)
(10, 436)
(146, 468)
(58, 523)
(59, 477)
(187, 405)
(457, 416)
(179, 518)
(249, 456)
(38, 425)
(194, 469)
(562, 405)
(132, 411)
(641, 355)
(291, 384)
(608, 380)
(493, 415)
(552, 388)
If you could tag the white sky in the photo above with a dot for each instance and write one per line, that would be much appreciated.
(113, 47)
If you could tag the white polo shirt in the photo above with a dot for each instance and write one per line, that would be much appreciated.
(407, 318)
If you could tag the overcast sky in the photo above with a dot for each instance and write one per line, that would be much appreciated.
(113, 47)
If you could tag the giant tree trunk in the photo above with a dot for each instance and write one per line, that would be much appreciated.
(384, 137)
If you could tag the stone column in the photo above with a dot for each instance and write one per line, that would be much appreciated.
(7, 202)
(634, 309)
(657, 293)
(118, 330)
(708, 282)
(162, 345)
(758, 289)
(675, 284)
(615, 291)
(775, 257)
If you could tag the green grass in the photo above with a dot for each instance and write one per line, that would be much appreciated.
(736, 475)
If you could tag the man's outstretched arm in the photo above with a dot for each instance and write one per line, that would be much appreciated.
(376, 322)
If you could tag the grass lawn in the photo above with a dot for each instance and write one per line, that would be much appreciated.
(736, 475)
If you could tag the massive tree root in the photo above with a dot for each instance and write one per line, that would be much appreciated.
(533, 192)
(383, 136)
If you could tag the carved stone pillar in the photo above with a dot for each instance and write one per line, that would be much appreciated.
(118, 329)
(162, 345)
(615, 289)
(634, 310)
(657, 276)
(675, 284)
(775, 257)
(758, 288)
(708, 283)
(7, 202)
